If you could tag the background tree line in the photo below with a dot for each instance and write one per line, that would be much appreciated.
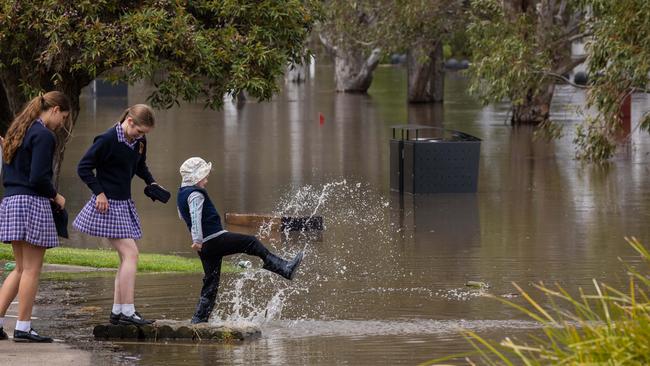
(520, 50)
(201, 50)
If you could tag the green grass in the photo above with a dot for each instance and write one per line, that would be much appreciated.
(604, 327)
(103, 258)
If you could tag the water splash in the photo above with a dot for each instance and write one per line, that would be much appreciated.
(355, 225)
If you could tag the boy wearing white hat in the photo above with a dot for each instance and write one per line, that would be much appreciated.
(210, 239)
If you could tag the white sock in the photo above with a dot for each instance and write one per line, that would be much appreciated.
(24, 326)
(128, 309)
(2, 322)
(117, 308)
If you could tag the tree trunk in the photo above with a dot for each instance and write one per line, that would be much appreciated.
(536, 109)
(425, 74)
(297, 73)
(6, 114)
(12, 97)
(73, 90)
(438, 77)
(354, 70)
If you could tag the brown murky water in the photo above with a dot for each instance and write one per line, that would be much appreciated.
(384, 283)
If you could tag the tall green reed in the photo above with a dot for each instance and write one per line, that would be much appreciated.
(604, 327)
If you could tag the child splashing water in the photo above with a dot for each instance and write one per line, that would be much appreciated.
(212, 242)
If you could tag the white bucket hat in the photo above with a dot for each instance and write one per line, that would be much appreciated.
(193, 170)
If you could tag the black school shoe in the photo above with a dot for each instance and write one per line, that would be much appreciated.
(3, 335)
(31, 336)
(135, 319)
(115, 318)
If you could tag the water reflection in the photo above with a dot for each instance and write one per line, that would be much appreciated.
(438, 223)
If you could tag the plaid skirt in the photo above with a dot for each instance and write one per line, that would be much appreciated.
(121, 221)
(28, 218)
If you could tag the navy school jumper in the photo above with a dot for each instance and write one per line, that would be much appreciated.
(115, 164)
(30, 171)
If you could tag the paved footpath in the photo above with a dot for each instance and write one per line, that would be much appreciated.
(49, 354)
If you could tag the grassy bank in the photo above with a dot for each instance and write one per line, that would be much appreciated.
(102, 258)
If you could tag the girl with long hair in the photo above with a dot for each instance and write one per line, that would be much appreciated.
(107, 168)
(26, 219)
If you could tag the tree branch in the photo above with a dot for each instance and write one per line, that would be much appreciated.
(570, 37)
(561, 77)
(373, 59)
(327, 43)
(562, 69)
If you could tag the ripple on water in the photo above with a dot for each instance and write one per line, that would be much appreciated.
(374, 328)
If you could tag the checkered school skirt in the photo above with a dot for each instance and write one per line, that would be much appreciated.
(121, 221)
(28, 218)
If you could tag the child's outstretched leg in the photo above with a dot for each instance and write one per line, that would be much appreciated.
(284, 268)
(225, 244)
(233, 243)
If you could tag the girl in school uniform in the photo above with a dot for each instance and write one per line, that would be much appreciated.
(26, 219)
(115, 157)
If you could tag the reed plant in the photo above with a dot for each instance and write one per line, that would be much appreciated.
(606, 326)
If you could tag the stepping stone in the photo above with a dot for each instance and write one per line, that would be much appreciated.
(177, 329)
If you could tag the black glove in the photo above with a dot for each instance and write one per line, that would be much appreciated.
(60, 220)
(156, 192)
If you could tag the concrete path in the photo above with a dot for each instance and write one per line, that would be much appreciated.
(50, 354)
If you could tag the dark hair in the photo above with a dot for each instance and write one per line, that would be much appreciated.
(24, 120)
(141, 114)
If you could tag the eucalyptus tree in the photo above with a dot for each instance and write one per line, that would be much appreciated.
(348, 30)
(520, 48)
(420, 27)
(619, 64)
(358, 32)
(192, 50)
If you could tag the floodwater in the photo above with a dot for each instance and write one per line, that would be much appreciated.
(384, 283)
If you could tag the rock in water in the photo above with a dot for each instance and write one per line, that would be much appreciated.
(175, 329)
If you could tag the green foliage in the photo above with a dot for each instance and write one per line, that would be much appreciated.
(593, 140)
(394, 26)
(459, 40)
(193, 50)
(417, 23)
(645, 122)
(350, 24)
(548, 131)
(98, 258)
(619, 63)
(510, 57)
(447, 51)
(606, 327)
(517, 53)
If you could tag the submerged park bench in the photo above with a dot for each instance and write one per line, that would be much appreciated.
(278, 223)
(175, 329)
